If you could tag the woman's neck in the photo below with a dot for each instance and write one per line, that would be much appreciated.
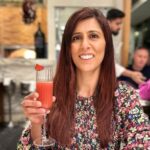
(86, 83)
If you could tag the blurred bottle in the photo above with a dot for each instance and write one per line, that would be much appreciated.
(40, 44)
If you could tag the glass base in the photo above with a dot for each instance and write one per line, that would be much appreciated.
(44, 143)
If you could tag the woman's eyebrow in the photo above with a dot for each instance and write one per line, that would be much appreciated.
(76, 33)
(90, 31)
(95, 31)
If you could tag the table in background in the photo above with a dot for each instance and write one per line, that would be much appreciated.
(146, 106)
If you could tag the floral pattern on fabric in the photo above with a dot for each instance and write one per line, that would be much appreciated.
(85, 131)
(25, 142)
(131, 125)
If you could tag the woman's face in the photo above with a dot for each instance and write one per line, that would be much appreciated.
(88, 46)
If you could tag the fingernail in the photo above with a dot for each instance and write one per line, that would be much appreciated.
(48, 112)
(37, 94)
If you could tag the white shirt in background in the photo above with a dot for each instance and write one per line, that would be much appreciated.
(119, 69)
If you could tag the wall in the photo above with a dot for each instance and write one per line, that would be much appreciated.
(13, 31)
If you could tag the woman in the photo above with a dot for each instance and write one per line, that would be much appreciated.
(92, 110)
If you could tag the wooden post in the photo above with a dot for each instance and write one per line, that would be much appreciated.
(1, 103)
(126, 33)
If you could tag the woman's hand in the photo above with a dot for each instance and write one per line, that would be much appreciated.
(32, 108)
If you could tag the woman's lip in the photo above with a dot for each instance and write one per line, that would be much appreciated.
(86, 56)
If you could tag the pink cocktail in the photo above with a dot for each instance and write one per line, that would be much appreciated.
(44, 87)
(45, 90)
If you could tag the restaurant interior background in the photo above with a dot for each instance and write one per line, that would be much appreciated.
(18, 47)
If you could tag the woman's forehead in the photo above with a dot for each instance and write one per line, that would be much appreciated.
(87, 24)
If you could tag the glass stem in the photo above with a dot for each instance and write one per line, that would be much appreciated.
(44, 128)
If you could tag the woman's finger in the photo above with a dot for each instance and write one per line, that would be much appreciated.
(54, 99)
(34, 111)
(31, 103)
(32, 96)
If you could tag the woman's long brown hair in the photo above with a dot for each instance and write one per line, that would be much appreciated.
(61, 118)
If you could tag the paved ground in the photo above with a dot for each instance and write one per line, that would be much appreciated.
(9, 137)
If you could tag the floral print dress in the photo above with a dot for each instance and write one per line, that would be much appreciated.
(131, 125)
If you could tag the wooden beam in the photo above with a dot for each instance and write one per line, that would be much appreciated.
(126, 32)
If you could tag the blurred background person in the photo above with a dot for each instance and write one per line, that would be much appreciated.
(115, 19)
(140, 60)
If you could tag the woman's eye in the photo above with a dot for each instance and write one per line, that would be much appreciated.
(94, 36)
(75, 38)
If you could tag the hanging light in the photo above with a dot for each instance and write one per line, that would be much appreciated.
(29, 12)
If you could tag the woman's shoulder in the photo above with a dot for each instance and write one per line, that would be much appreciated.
(127, 104)
(123, 88)
(125, 95)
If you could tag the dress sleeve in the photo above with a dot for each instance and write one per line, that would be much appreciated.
(25, 141)
(136, 125)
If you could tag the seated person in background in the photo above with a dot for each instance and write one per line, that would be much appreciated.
(140, 59)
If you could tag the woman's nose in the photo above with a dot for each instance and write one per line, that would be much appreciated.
(85, 44)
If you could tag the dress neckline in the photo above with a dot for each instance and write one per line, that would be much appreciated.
(79, 97)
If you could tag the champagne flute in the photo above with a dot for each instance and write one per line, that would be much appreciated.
(44, 87)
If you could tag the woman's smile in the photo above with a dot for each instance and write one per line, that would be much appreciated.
(86, 56)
